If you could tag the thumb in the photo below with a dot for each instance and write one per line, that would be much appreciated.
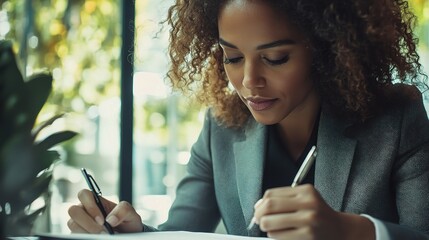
(124, 218)
(108, 205)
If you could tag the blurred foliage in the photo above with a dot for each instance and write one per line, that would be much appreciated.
(25, 162)
(79, 40)
(421, 9)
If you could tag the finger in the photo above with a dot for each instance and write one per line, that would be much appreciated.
(82, 222)
(86, 197)
(309, 199)
(258, 203)
(275, 205)
(74, 227)
(283, 221)
(289, 191)
(126, 217)
(280, 192)
(292, 234)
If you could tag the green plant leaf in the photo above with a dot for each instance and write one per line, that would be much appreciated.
(39, 128)
(11, 85)
(54, 139)
(20, 224)
(38, 88)
(33, 191)
(45, 159)
(8, 67)
(21, 162)
(18, 161)
(29, 219)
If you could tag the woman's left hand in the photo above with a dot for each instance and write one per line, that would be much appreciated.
(301, 213)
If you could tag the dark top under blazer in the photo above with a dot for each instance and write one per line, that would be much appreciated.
(379, 168)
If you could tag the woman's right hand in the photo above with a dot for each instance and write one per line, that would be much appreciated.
(87, 218)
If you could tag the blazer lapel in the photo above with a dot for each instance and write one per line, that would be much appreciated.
(334, 159)
(249, 159)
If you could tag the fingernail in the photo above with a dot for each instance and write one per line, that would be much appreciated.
(103, 232)
(258, 203)
(99, 220)
(112, 220)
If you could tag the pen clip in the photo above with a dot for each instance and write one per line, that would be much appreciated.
(97, 189)
(91, 182)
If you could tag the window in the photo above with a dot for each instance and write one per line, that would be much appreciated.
(165, 124)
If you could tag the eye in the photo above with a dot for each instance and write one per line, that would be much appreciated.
(232, 60)
(277, 61)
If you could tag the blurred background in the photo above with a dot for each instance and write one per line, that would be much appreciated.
(81, 43)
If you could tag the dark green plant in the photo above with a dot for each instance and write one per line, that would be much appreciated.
(25, 163)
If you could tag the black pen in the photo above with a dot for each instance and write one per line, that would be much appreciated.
(97, 193)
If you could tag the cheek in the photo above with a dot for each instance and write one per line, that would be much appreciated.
(296, 81)
(289, 85)
(234, 77)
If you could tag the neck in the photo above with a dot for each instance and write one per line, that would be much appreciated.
(295, 130)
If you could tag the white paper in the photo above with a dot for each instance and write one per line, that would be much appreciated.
(176, 235)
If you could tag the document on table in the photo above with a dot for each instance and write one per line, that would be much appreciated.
(176, 235)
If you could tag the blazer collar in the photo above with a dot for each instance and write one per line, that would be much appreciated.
(249, 157)
(333, 162)
(335, 152)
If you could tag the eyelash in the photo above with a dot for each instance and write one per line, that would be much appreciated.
(277, 61)
(270, 62)
(231, 60)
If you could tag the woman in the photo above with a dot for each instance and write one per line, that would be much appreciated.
(280, 77)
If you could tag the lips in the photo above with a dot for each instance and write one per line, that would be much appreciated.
(260, 104)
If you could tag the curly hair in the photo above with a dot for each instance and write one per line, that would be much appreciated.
(360, 48)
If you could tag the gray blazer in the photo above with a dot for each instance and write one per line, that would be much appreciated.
(379, 168)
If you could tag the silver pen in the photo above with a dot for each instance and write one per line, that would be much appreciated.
(300, 175)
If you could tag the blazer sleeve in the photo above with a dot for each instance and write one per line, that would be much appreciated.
(195, 207)
(410, 176)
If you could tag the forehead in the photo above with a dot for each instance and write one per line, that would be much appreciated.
(254, 19)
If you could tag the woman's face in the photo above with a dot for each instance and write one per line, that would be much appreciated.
(266, 60)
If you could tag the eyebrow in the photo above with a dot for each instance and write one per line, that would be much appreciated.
(263, 46)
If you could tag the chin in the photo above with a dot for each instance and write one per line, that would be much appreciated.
(266, 119)
(271, 116)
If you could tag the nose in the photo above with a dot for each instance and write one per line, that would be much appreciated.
(253, 77)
